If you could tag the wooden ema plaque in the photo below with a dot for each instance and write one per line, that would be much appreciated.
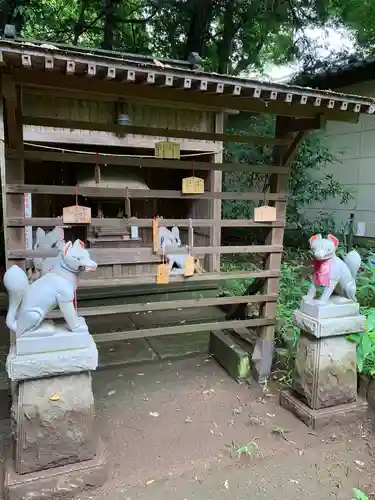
(265, 214)
(167, 150)
(155, 234)
(76, 214)
(162, 274)
(189, 267)
(192, 185)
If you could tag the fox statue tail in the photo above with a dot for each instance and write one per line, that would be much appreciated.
(16, 283)
(353, 261)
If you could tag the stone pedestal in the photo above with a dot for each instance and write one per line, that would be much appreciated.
(56, 448)
(53, 422)
(325, 367)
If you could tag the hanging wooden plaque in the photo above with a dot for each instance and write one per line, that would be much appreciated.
(167, 150)
(76, 214)
(162, 274)
(189, 267)
(192, 185)
(265, 213)
(155, 234)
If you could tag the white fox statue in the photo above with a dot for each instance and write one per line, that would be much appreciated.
(335, 275)
(171, 239)
(46, 241)
(30, 303)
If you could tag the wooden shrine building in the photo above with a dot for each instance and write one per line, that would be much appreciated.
(82, 125)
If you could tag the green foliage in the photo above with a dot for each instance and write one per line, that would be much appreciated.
(309, 182)
(366, 346)
(359, 495)
(366, 286)
(232, 36)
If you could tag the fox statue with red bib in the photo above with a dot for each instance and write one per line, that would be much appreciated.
(335, 275)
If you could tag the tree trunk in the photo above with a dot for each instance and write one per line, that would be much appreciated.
(110, 23)
(80, 24)
(201, 16)
(225, 46)
(8, 14)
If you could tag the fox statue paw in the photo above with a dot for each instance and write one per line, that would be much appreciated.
(81, 323)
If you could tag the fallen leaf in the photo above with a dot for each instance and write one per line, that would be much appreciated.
(140, 374)
(226, 485)
(111, 393)
(55, 397)
(188, 420)
(154, 414)
(360, 463)
(271, 415)
(294, 481)
(150, 482)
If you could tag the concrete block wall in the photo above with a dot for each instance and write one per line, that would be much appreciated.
(354, 145)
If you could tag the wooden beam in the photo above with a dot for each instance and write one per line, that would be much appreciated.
(14, 169)
(292, 150)
(94, 192)
(148, 279)
(180, 329)
(159, 94)
(306, 124)
(109, 159)
(141, 130)
(216, 185)
(46, 222)
(167, 305)
(132, 255)
(263, 351)
(80, 95)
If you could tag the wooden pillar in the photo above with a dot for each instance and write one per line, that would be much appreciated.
(13, 205)
(215, 185)
(282, 156)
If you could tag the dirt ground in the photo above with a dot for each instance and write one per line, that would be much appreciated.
(172, 429)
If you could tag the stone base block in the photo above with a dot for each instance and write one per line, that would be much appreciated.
(336, 307)
(53, 420)
(318, 419)
(329, 327)
(50, 338)
(58, 483)
(30, 366)
(325, 371)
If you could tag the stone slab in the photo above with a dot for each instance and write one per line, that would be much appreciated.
(175, 346)
(57, 483)
(336, 307)
(154, 319)
(57, 339)
(232, 357)
(125, 352)
(51, 363)
(329, 327)
(53, 420)
(318, 419)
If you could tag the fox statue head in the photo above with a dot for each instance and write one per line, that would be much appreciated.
(323, 248)
(76, 258)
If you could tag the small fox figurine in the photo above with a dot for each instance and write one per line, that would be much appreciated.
(335, 275)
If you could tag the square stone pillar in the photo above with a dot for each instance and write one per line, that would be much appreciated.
(325, 375)
(56, 449)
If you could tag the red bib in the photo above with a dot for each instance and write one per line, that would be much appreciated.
(322, 272)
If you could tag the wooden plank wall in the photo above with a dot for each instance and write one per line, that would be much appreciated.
(48, 104)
